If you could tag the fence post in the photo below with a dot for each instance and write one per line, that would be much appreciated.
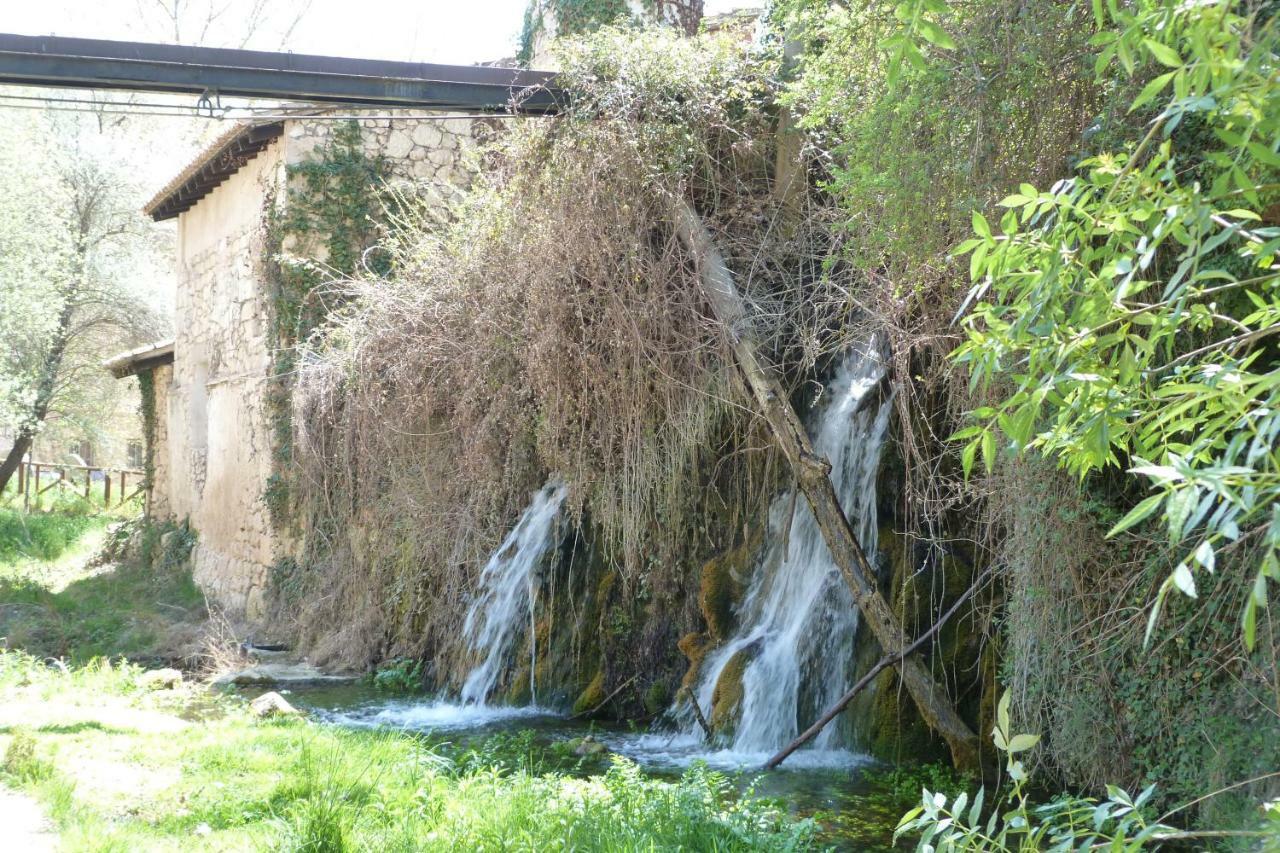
(106, 487)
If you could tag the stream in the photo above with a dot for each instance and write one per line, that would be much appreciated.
(856, 809)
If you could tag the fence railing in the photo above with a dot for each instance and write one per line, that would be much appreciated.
(34, 479)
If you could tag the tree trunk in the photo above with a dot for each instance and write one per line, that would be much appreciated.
(45, 387)
(812, 473)
(21, 444)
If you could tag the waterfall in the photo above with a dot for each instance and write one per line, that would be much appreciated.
(504, 603)
(797, 621)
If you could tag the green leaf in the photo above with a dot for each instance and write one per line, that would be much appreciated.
(967, 455)
(1204, 556)
(980, 226)
(1249, 622)
(1150, 90)
(1021, 743)
(989, 450)
(1164, 54)
(935, 35)
(975, 811)
(1183, 580)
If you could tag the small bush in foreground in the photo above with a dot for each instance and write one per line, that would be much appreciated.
(1065, 823)
(21, 763)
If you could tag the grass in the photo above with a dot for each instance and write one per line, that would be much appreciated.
(120, 768)
(43, 538)
(53, 603)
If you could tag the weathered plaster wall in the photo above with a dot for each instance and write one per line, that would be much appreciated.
(219, 453)
(159, 505)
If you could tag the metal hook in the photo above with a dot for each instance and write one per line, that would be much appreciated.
(207, 106)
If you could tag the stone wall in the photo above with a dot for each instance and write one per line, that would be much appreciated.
(218, 455)
(427, 156)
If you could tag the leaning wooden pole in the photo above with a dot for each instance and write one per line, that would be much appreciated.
(880, 665)
(812, 473)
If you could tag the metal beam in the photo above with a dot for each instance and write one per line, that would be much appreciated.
(100, 64)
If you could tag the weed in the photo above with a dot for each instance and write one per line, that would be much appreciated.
(21, 762)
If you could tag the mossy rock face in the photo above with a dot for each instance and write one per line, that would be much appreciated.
(592, 696)
(694, 646)
(723, 584)
(726, 698)
(919, 587)
(656, 698)
(897, 730)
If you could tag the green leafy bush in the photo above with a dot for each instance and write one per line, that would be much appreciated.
(401, 675)
(1122, 316)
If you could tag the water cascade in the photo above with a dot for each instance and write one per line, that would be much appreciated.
(797, 622)
(508, 593)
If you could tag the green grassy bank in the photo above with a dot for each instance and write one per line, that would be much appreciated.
(57, 601)
(118, 767)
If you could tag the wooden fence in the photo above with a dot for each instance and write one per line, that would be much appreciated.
(35, 478)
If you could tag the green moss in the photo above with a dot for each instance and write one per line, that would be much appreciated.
(721, 589)
(897, 731)
(657, 697)
(693, 646)
(592, 696)
(726, 698)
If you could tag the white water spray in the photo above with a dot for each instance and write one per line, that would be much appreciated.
(798, 619)
(508, 592)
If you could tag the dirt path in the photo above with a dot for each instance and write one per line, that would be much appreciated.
(25, 827)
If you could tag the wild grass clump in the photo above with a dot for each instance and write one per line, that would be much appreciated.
(43, 536)
(72, 606)
(22, 765)
(557, 326)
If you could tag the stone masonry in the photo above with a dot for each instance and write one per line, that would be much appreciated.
(214, 447)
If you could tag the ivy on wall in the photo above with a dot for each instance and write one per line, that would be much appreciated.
(331, 218)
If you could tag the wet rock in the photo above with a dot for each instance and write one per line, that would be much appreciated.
(726, 698)
(592, 696)
(290, 674)
(160, 679)
(586, 746)
(272, 704)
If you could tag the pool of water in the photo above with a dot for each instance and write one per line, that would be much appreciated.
(839, 788)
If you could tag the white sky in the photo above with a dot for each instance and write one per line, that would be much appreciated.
(447, 31)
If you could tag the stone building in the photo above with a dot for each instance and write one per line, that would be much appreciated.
(211, 445)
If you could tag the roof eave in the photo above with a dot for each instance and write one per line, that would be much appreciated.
(143, 358)
(221, 160)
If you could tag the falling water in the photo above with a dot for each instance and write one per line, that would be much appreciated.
(508, 592)
(798, 620)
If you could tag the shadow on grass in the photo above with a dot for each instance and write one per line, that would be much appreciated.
(68, 728)
(127, 610)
